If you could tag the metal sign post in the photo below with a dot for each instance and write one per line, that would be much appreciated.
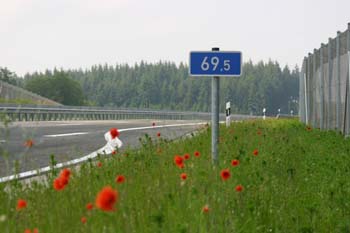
(215, 64)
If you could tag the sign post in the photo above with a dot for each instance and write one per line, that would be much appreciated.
(264, 116)
(215, 63)
(228, 114)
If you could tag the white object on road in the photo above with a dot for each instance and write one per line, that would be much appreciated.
(112, 143)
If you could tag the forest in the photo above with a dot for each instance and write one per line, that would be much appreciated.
(167, 86)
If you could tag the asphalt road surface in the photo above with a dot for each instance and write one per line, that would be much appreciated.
(67, 140)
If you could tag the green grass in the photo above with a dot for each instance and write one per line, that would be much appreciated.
(299, 182)
(17, 101)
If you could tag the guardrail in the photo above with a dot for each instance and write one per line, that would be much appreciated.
(47, 113)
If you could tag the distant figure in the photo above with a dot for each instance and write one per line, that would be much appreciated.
(113, 141)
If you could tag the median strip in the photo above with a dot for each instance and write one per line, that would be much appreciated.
(92, 155)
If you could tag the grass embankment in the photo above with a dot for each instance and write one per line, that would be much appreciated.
(297, 182)
(17, 101)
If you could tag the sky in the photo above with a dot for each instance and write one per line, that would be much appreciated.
(43, 34)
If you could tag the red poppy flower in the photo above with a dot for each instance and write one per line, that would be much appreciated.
(29, 143)
(235, 162)
(21, 204)
(120, 179)
(65, 173)
(158, 134)
(259, 132)
(99, 164)
(83, 220)
(239, 188)
(114, 132)
(205, 209)
(35, 230)
(308, 128)
(225, 174)
(179, 161)
(64, 180)
(89, 206)
(114, 152)
(58, 184)
(183, 176)
(197, 154)
(106, 199)
(186, 156)
(256, 152)
(27, 231)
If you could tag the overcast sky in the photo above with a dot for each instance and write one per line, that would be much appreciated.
(43, 34)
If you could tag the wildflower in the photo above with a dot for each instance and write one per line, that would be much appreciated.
(114, 152)
(29, 143)
(114, 133)
(89, 206)
(256, 152)
(308, 128)
(239, 188)
(120, 179)
(83, 220)
(65, 173)
(64, 180)
(35, 230)
(27, 231)
(205, 209)
(58, 184)
(235, 162)
(225, 174)
(259, 132)
(158, 134)
(186, 156)
(183, 176)
(99, 164)
(197, 154)
(179, 161)
(106, 199)
(21, 204)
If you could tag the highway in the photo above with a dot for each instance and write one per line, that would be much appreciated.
(68, 140)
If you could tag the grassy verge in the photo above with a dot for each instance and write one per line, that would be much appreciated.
(17, 101)
(297, 181)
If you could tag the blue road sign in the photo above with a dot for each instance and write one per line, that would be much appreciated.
(215, 63)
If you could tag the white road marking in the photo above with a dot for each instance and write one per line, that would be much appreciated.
(65, 134)
(92, 155)
(159, 126)
(69, 124)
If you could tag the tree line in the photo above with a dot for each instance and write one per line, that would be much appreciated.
(165, 85)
